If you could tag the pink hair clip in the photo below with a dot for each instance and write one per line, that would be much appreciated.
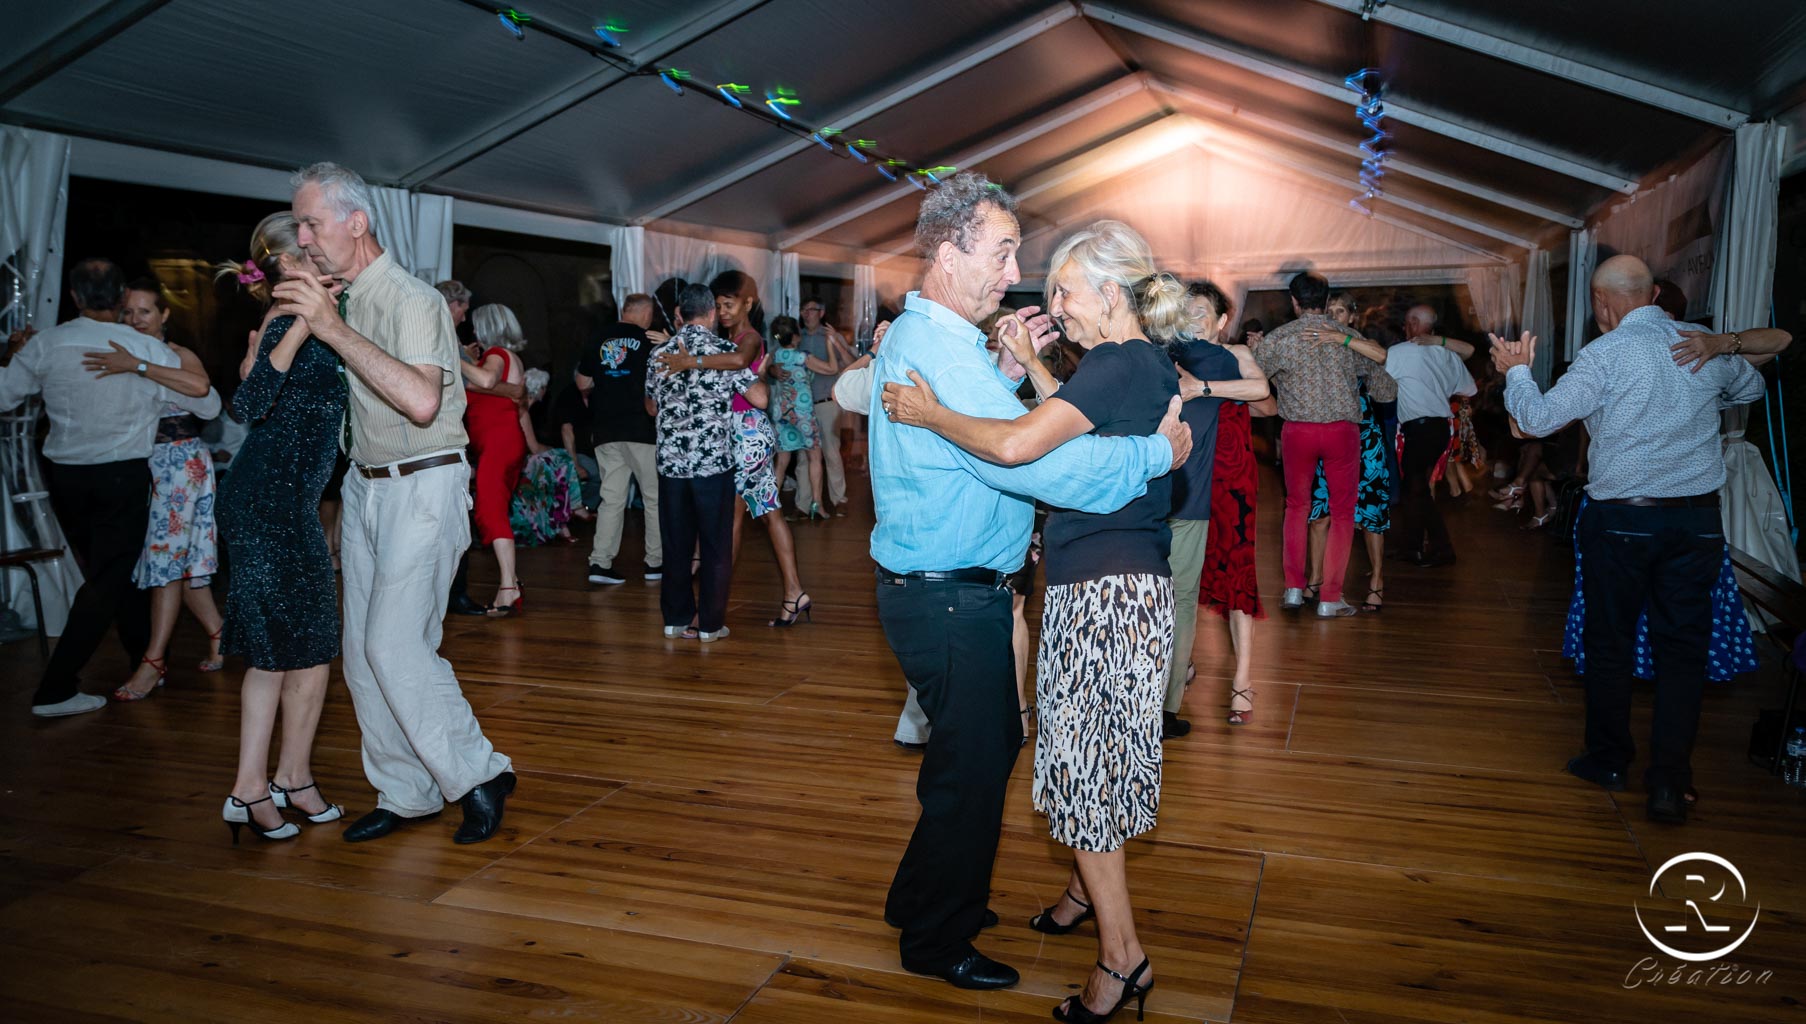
(251, 274)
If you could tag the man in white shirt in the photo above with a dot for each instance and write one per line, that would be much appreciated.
(101, 433)
(1652, 537)
(1428, 375)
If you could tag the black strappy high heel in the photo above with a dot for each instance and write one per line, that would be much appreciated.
(238, 814)
(1044, 921)
(790, 611)
(333, 812)
(1074, 1010)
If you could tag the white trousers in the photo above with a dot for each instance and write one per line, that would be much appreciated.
(399, 545)
(615, 462)
(834, 473)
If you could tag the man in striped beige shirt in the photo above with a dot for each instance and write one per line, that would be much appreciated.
(405, 521)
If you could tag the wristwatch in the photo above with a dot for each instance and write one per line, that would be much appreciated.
(1206, 393)
(142, 368)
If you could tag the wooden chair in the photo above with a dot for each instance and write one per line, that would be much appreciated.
(23, 559)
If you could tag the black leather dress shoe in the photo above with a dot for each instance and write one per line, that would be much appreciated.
(976, 971)
(483, 809)
(1172, 726)
(1584, 767)
(916, 747)
(1668, 804)
(379, 823)
(463, 605)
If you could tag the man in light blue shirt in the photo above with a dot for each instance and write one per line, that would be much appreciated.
(1652, 539)
(951, 527)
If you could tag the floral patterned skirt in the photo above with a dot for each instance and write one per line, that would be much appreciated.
(755, 445)
(541, 507)
(182, 540)
(1373, 499)
(793, 415)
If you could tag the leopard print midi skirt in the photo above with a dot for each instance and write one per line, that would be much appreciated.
(1101, 683)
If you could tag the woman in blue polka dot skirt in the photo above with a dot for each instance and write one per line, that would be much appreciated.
(1733, 647)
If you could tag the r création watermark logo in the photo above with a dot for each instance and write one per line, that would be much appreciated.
(1694, 923)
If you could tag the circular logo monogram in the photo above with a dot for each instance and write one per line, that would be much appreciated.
(1699, 932)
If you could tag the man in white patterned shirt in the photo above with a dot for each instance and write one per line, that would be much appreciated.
(1652, 534)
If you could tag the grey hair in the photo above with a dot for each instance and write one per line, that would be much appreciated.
(454, 291)
(536, 381)
(1115, 252)
(496, 324)
(343, 189)
(952, 211)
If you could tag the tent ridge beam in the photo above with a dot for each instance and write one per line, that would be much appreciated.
(1049, 122)
(1491, 195)
(72, 44)
(577, 92)
(1549, 63)
(1001, 43)
(1218, 51)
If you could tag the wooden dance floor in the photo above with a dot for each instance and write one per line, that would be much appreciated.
(706, 833)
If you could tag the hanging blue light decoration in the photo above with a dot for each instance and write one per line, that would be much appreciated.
(512, 20)
(1355, 204)
(729, 91)
(669, 76)
(888, 174)
(609, 34)
(1370, 110)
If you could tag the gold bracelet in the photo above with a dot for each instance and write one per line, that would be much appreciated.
(1736, 343)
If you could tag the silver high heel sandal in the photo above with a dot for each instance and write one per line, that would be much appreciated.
(238, 814)
(333, 812)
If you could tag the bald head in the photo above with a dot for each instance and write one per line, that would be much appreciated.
(1624, 275)
(1621, 284)
(1419, 321)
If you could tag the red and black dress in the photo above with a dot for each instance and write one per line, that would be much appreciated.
(1229, 583)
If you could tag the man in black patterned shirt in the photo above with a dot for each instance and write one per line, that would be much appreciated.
(695, 460)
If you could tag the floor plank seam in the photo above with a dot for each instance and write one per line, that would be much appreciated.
(1292, 721)
(754, 994)
(528, 841)
(1241, 966)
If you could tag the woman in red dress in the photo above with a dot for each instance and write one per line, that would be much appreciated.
(1229, 586)
(496, 441)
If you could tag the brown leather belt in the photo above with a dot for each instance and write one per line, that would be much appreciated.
(1697, 501)
(406, 468)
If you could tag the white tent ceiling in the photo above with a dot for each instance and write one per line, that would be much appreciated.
(1196, 119)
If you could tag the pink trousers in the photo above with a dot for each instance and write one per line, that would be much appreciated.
(1338, 446)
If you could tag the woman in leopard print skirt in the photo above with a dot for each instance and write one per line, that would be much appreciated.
(1107, 628)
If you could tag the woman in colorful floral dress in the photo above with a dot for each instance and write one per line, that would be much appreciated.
(181, 545)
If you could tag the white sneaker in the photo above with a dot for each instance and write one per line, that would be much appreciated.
(1293, 599)
(1335, 609)
(708, 638)
(80, 704)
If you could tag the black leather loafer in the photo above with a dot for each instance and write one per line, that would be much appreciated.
(463, 605)
(1584, 767)
(975, 971)
(1668, 804)
(379, 823)
(483, 809)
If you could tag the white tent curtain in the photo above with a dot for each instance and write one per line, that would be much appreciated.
(1755, 518)
(1539, 314)
(1583, 252)
(865, 302)
(1743, 275)
(627, 263)
(668, 256)
(34, 195)
(788, 301)
(417, 229)
(1494, 291)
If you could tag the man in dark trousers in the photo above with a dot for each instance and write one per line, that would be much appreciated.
(951, 528)
(1652, 536)
(101, 433)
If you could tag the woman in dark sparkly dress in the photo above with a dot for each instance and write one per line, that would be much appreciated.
(282, 608)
